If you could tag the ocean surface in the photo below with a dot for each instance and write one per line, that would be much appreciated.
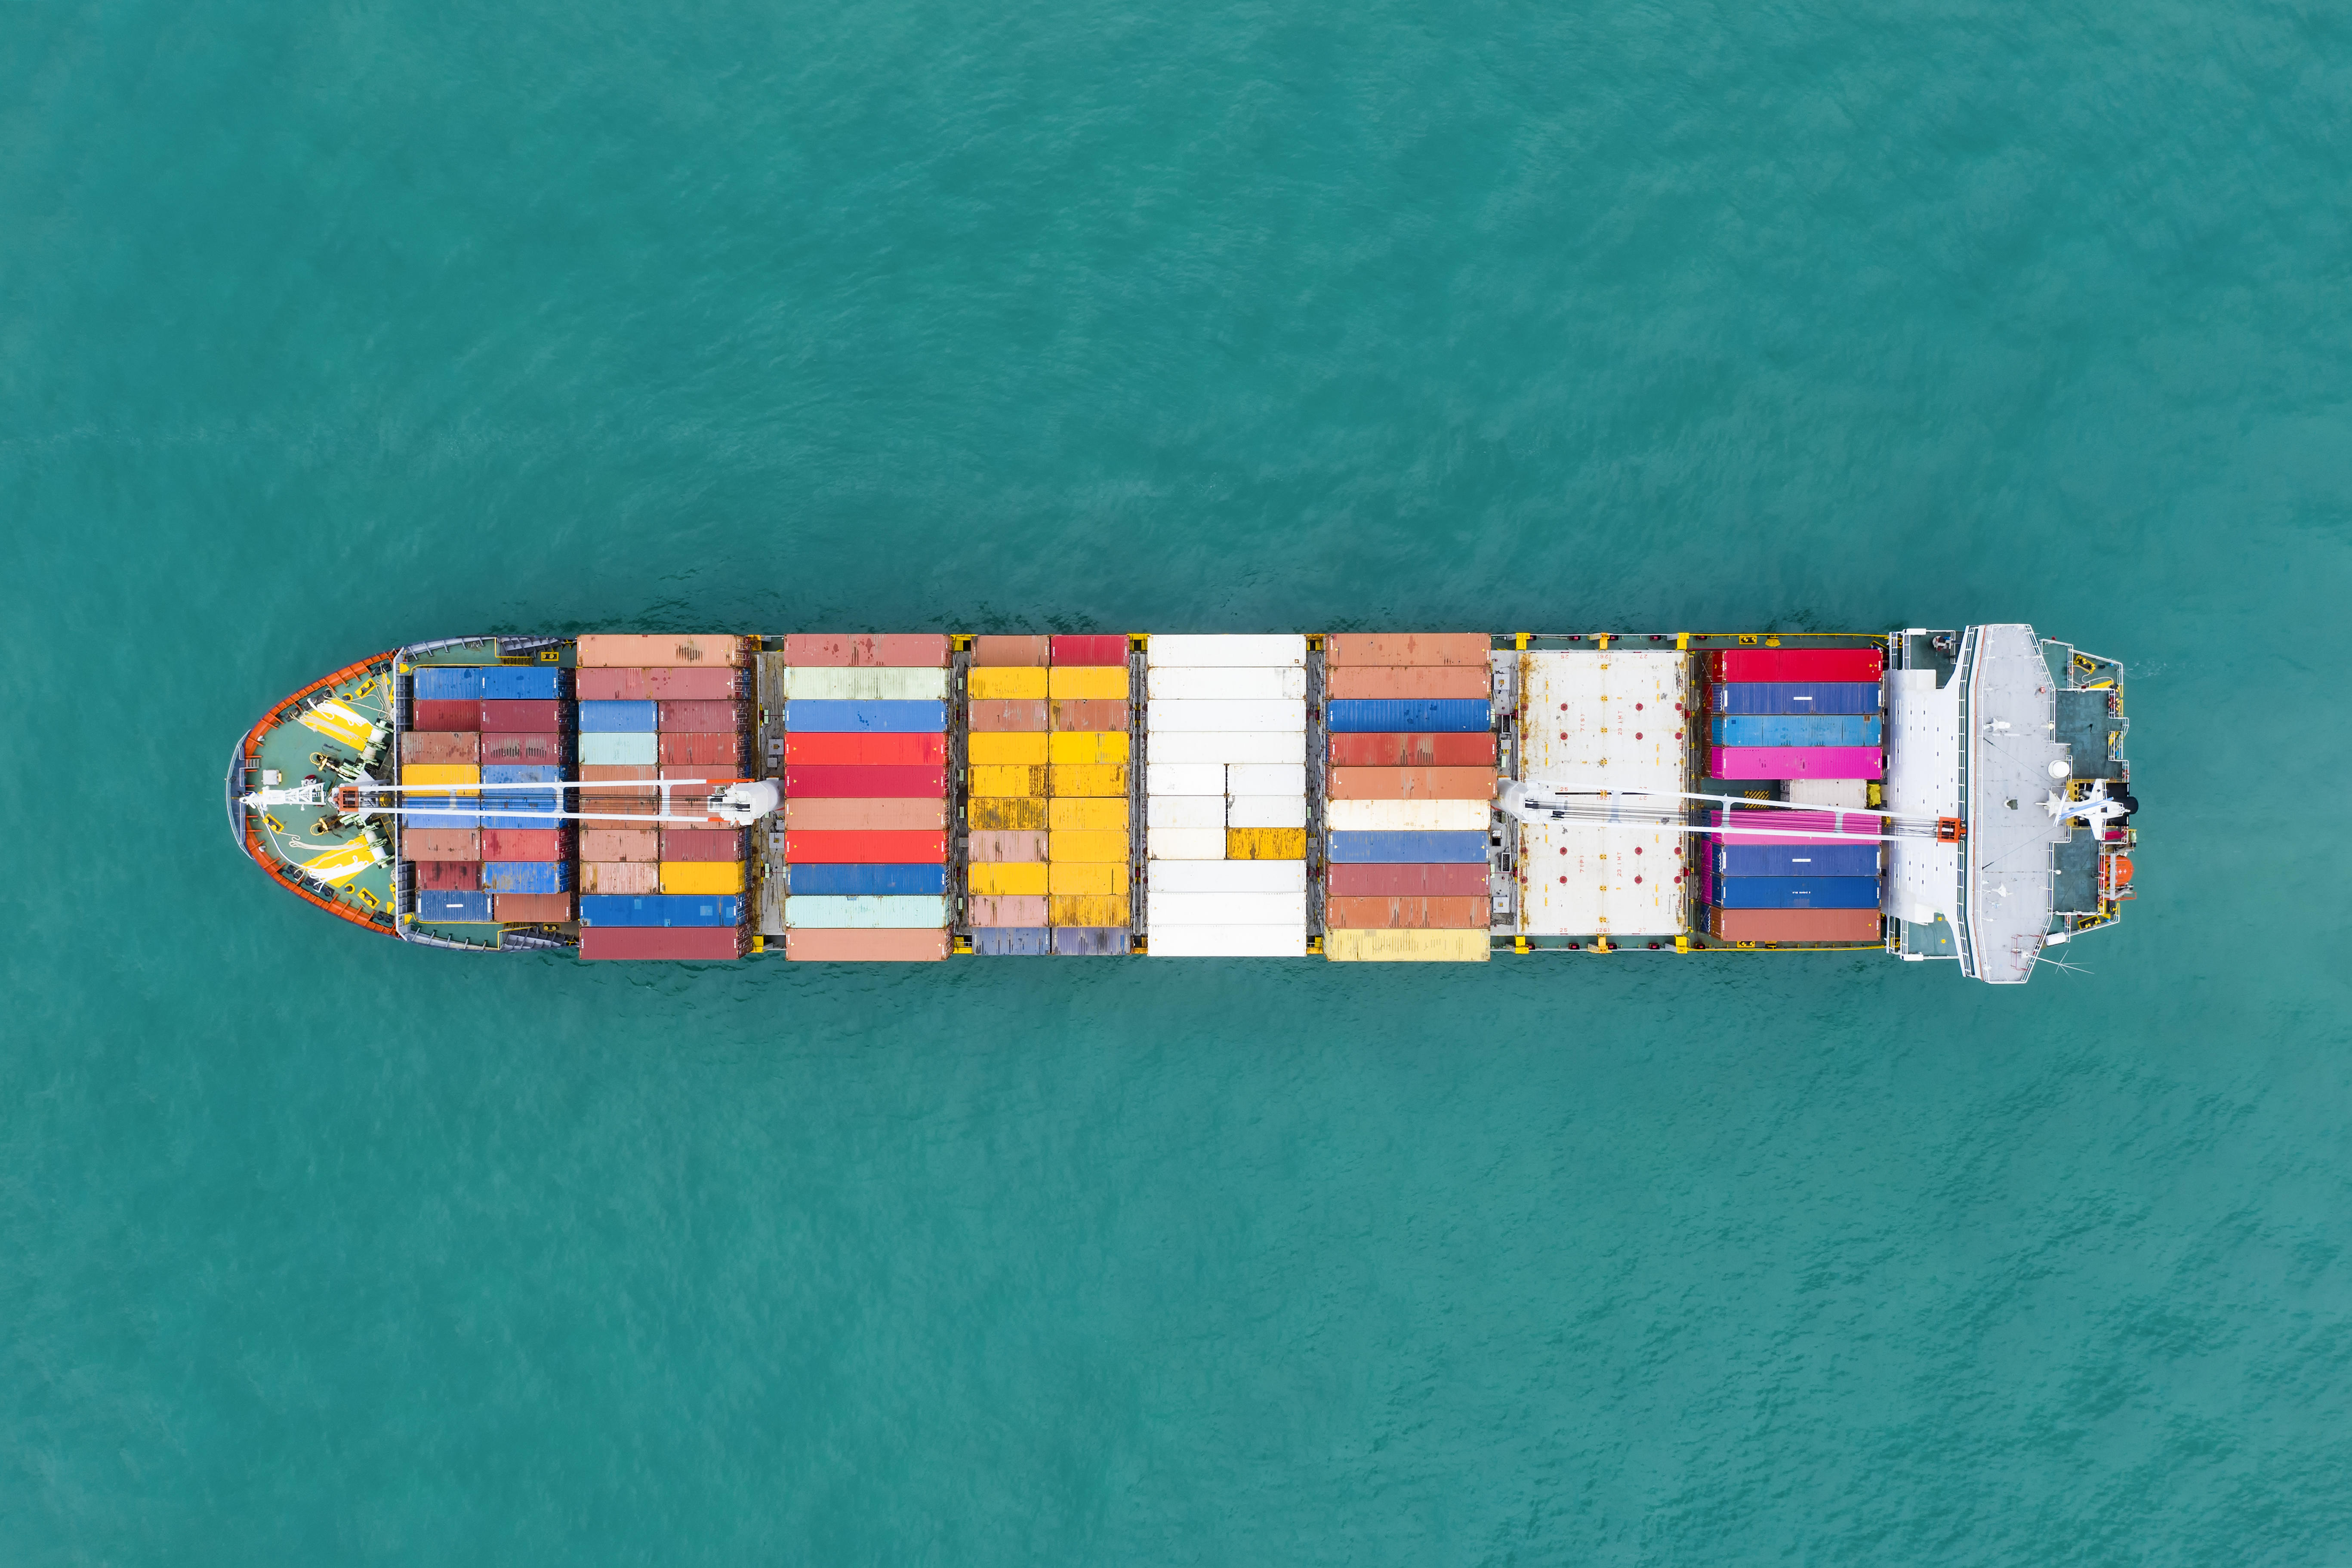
(325, 327)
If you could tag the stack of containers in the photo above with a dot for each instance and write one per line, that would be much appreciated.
(651, 708)
(1797, 715)
(1225, 797)
(1049, 748)
(1410, 788)
(866, 796)
(501, 856)
(1792, 882)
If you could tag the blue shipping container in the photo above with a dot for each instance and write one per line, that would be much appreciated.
(520, 773)
(660, 909)
(1089, 942)
(521, 682)
(1797, 697)
(1800, 730)
(1795, 859)
(526, 875)
(1013, 942)
(617, 717)
(521, 808)
(850, 880)
(448, 683)
(1452, 715)
(1400, 849)
(1797, 893)
(841, 717)
(463, 908)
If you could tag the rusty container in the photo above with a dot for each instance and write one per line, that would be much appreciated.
(440, 746)
(1411, 784)
(620, 877)
(517, 749)
(1004, 713)
(536, 715)
(449, 876)
(1425, 680)
(441, 844)
(924, 650)
(657, 649)
(701, 749)
(1394, 749)
(1016, 812)
(700, 844)
(1006, 910)
(1008, 844)
(522, 844)
(1098, 713)
(1839, 926)
(532, 909)
(700, 715)
(1397, 914)
(1343, 648)
(1012, 651)
(619, 844)
(682, 684)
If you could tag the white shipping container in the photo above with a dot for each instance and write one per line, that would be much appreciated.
(1284, 717)
(1225, 877)
(1228, 941)
(1406, 815)
(1267, 778)
(1266, 811)
(1185, 778)
(1184, 811)
(1186, 649)
(1186, 842)
(871, 683)
(1226, 909)
(1853, 793)
(1280, 682)
(1223, 746)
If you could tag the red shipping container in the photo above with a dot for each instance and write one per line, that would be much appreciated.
(543, 715)
(678, 684)
(868, 848)
(441, 844)
(544, 908)
(1392, 750)
(925, 650)
(1455, 881)
(440, 746)
(619, 844)
(1001, 714)
(1415, 682)
(1030, 651)
(669, 650)
(1411, 784)
(1406, 649)
(1798, 663)
(673, 942)
(700, 716)
(701, 749)
(1406, 913)
(818, 781)
(449, 876)
(902, 946)
(522, 750)
(522, 844)
(1097, 714)
(701, 843)
(1091, 647)
(1795, 925)
(867, 751)
(867, 815)
(446, 714)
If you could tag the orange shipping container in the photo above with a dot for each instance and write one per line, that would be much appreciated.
(545, 909)
(440, 746)
(1008, 713)
(620, 877)
(1414, 682)
(1411, 784)
(440, 844)
(659, 649)
(865, 815)
(899, 946)
(1406, 648)
(1025, 651)
(1089, 712)
(619, 844)
(1379, 914)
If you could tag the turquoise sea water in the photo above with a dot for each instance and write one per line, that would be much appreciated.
(325, 327)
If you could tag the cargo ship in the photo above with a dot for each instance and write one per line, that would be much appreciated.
(1353, 796)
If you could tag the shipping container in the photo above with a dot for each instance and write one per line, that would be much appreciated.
(1088, 876)
(1229, 942)
(430, 746)
(705, 716)
(448, 683)
(1000, 779)
(1455, 714)
(619, 844)
(440, 844)
(1187, 778)
(1399, 913)
(674, 684)
(1087, 814)
(526, 877)
(1459, 946)
(1008, 650)
(637, 749)
(1266, 811)
(1163, 910)
(521, 773)
(821, 780)
(619, 718)
(875, 684)
(1006, 812)
(517, 749)
(660, 909)
(417, 775)
(692, 748)
(702, 876)
(521, 808)
(1228, 876)
(541, 843)
(449, 876)
(1006, 910)
(688, 944)
(1005, 844)
(990, 941)
(1008, 748)
(865, 815)
(1408, 816)
(871, 718)
(453, 908)
(522, 682)
(1242, 718)
(1088, 909)
(1090, 647)
(1795, 925)
(1422, 749)
(426, 813)
(1089, 748)
(1744, 859)
(1410, 684)
(907, 946)
(1798, 664)
(1344, 648)
(1007, 715)
(927, 650)
(1085, 683)
(852, 881)
(1185, 843)
(824, 912)
(1098, 847)
(1799, 730)
(1411, 784)
(657, 649)
(904, 751)
(1091, 941)
(1798, 697)
(1795, 762)
(1225, 747)
(878, 847)
(1212, 650)
(1180, 683)
(1017, 878)
(1184, 811)
(1797, 893)
(620, 877)
(1265, 843)
(1006, 683)
(1098, 713)
(1408, 848)
(701, 843)
(1457, 880)
(532, 909)
(1081, 779)
(445, 715)
(618, 772)
(536, 717)
(1845, 793)
(1267, 778)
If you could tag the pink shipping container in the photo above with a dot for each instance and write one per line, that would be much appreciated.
(895, 946)
(997, 846)
(865, 815)
(620, 877)
(676, 943)
(1006, 910)
(682, 684)
(671, 649)
(1796, 762)
(1798, 826)
(619, 844)
(674, 715)
(924, 650)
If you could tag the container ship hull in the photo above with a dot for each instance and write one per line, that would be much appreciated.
(1956, 794)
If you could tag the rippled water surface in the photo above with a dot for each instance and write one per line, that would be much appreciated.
(323, 328)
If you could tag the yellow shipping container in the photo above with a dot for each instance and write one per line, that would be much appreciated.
(1066, 844)
(1095, 779)
(1016, 812)
(1086, 909)
(442, 774)
(1088, 813)
(1411, 946)
(1089, 746)
(1082, 876)
(1002, 877)
(1008, 779)
(702, 876)
(1002, 746)
(1265, 843)
(1084, 681)
(997, 682)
